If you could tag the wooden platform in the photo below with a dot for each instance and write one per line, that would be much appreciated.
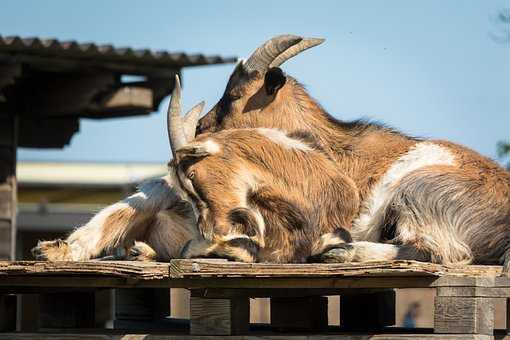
(220, 293)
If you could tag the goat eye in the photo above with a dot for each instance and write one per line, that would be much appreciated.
(191, 175)
(233, 97)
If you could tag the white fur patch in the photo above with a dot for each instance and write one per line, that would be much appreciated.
(152, 196)
(279, 137)
(421, 155)
(245, 182)
(211, 146)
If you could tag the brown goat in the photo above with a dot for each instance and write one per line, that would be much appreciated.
(253, 203)
(419, 199)
(426, 200)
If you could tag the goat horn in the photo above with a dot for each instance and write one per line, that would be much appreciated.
(174, 120)
(296, 49)
(269, 51)
(191, 121)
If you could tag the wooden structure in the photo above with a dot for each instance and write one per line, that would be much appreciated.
(47, 85)
(220, 293)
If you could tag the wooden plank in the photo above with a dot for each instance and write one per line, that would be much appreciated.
(207, 268)
(463, 315)
(390, 336)
(367, 311)
(224, 269)
(299, 314)
(126, 269)
(219, 316)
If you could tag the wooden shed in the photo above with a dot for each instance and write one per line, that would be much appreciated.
(47, 85)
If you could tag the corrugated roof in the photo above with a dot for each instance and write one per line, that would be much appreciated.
(86, 174)
(75, 50)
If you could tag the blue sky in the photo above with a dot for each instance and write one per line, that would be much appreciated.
(427, 68)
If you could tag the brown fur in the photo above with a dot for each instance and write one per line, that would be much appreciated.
(297, 203)
(474, 193)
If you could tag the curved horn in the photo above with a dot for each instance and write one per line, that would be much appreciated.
(174, 120)
(296, 49)
(191, 121)
(271, 49)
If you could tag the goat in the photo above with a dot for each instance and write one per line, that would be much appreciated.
(427, 200)
(252, 203)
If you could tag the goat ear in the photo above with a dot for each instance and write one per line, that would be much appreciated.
(274, 80)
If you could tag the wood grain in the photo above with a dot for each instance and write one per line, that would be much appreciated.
(206, 268)
(219, 316)
(124, 269)
(66, 336)
(464, 315)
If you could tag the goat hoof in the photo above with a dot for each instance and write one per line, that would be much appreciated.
(141, 251)
(342, 253)
(56, 250)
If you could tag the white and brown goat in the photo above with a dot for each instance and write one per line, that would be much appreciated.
(422, 199)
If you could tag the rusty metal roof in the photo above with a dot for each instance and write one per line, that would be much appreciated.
(75, 50)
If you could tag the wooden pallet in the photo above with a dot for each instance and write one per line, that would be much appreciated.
(220, 293)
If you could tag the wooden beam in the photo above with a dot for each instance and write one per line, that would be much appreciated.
(455, 311)
(219, 316)
(108, 336)
(127, 97)
(463, 315)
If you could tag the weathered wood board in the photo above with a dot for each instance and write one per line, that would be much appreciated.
(61, 336)
(124, 269)
(208, 273)
(214, 268)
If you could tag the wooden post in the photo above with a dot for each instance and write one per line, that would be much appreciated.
(217, 316)
(308, 313)
(67, 310)
(7, 313)
(141, 307)
(8, 145)
(28, 313)
(367, 311)
(460, 309)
